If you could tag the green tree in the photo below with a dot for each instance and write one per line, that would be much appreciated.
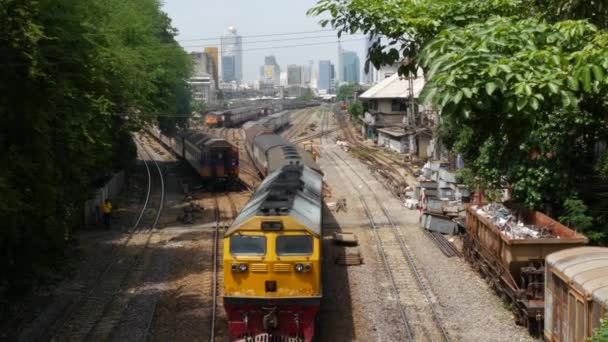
(73, 71)
(356, 109)
(346, 91)
(521, 93)
(601, 333)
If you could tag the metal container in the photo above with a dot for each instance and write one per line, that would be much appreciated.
(515, 267)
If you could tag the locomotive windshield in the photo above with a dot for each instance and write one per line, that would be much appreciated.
(294, 245)
(247, 245)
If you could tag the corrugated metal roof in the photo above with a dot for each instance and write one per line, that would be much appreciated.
(393, 87)
(200, 139)
(274, 148)
(289, 191)
(586, 268)
(394, 132)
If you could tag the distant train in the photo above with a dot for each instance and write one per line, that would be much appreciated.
(233, 117)
(272, 250)
(213, 158)
(236, 116)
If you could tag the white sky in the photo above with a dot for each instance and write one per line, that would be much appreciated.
(198, 19)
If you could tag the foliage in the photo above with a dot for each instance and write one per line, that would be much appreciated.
(345, 91)
(72, 73)
(601, 333)
(356, 108)
(408, 25)
(306, 96)
(518, 85)
(575, 214)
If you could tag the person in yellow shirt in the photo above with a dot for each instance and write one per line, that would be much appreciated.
(106, 209)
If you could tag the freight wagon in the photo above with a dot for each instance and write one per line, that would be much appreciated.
(508, 247)
(576, 293)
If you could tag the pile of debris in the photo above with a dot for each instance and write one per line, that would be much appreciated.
(440, 197)
(510, 224)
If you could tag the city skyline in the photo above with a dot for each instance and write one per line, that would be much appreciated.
(273, 25)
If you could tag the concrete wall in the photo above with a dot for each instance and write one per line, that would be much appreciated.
(385, 106)
(396, 144)
(423, 146)
(92, 207)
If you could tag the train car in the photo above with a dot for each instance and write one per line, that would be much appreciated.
(212, 157)
(513, 263)
(237, 116)
(214, 119)
(576, 293)
(272, 259)
(272, 251)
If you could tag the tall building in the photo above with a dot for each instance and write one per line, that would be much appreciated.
(307, 73)
(272, 71)
(325, 72)
(371, 75)
(202, 83)
(214, 54)
(351, 69)
(229, 69)
(294, 75)
(232, 56)
(340, 75)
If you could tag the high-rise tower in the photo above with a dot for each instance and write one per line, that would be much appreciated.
(232, 56)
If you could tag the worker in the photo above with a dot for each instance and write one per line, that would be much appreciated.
(106, 208)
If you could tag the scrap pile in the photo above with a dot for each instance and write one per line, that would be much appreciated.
(440, 197)
(507, 221)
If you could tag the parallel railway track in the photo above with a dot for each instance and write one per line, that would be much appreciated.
(216, 231)
(97, 312)
(415, 302)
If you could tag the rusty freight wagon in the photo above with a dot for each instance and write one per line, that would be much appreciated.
(509, 247)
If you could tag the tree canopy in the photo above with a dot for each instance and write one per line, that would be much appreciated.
(73, 72)
(520, 86)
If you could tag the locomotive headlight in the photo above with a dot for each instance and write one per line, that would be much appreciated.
(299, 268)
(307, 267)
(239, 267)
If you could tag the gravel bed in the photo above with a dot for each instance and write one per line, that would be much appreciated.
(467, 306)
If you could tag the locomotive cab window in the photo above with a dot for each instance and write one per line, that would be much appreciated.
(247, 245)
(294, 245)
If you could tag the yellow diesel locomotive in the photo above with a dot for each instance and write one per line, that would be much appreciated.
(272, 251)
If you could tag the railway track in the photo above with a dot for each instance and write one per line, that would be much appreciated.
(297, 126)
(220, 224)
(97, 312)
(372, 157)
(415, 302)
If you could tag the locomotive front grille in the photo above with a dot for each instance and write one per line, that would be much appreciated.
(261, 268)
(282, 268)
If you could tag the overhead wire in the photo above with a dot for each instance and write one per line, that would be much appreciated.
(238, 50)
(255, 36)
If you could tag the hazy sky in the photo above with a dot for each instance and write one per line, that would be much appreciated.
(203, 19)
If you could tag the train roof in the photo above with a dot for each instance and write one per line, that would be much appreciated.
(293, 191)
(201, 139)
(584, 267)
(281, 152)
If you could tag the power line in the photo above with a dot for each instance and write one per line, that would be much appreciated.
(298, 45)
(257, 35)
(240, 50)
(262, 41)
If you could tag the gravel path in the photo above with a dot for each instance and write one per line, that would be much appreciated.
(468, 307)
